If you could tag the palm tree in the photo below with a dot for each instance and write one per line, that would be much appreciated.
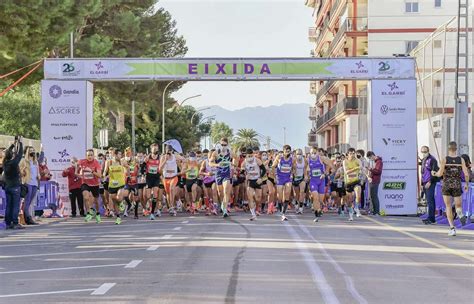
(246, 138)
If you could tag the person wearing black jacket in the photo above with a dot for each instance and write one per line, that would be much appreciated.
(12, 180)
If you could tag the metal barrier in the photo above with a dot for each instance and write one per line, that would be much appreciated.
(3, 202)
(467, 207)
(48, 197)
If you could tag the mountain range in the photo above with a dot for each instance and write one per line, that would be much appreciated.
(269, 122)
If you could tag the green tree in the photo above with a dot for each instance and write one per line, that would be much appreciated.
(219, 130)
(246, 138)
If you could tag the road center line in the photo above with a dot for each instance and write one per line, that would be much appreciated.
(422, 239)
(133, 264)
(153, 248)
(177, 228)
(103, 289)
(316, 273)
(62, 268)
(45, 293)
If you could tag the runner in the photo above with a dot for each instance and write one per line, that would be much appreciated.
(450, 169)
(191, 171)
(116, 171)
(267, 159)
(90, 170)
(253, 168)
(352, 168)
(169, 167)
(153, 178)
(210, 188)
(318, 168)
(284, 165)
(222, 160)
(299, 181)
(337, 189)
(131, 192)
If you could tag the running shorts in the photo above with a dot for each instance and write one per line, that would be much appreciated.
(152, 181)
(94, 190)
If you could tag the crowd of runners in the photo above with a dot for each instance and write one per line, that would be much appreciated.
(218, 182)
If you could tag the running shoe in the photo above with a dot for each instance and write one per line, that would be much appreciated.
(152, 217)
(357, 212)
(136, 217)
(283, 218)
(257, 213)
(125, 213)
(351, 218)
(225, 215)
(121, 206)
(88, 218)
(98, 220)
(463, 220)
(452, 232)
(118, 221)
(158, 213)
(253, 218)
(316, 220)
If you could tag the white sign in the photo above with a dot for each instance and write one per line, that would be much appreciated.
(229, 68)
(397, 192)
(393, 122)
(66, 121)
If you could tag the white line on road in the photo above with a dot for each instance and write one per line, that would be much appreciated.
(133, 264)
(44, 293)
(103, 289)
(64, 253)
(177, 228)
(316, 272)
(167, 237)
(184, 222)
(62, 268)
(153, 248)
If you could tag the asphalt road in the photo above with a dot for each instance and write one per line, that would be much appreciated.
(211, 260)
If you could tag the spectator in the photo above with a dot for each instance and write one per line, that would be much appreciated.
(375, 174)
(29, 169)
(74, 186)
(428, 182)
(467, 160)
(12, 177)
(45, 174)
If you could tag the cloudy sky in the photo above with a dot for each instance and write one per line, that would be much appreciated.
(243, 28)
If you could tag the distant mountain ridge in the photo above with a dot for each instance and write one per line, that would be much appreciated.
(269, 121)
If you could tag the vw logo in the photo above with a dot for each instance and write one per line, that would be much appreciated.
(384, 109)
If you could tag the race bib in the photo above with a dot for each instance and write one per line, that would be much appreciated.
(316, 173)
(285, 169)
(88, 175)
(115, 183)
(339, 184)
(153, 170)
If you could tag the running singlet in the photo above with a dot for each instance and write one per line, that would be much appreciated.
(89, 178)
(224, 165)
(299, 175)
(192, 172)
(284, 168)
(152, 166)
(133, 175)
(210, 179)
(316, 168)
(253, 170)
(353, 176)
(170, 169)
(452, 172)
(116, 176)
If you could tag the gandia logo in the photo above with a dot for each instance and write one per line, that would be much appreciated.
(55, 91)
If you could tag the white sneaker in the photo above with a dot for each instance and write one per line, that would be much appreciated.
(158, 213)
(253, 218)
(283, 218)
(152, 217)
(125, 213)
(301, 210)
(357, 212)
(351, 218)
(452, 232)
(316, 220)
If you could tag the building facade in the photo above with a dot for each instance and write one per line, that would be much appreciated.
(352, 28)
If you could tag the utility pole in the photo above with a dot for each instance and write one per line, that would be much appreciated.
(461, 115)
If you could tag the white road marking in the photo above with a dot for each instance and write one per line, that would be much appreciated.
(62, 268)
(167, 237)
(153, 248)
(64, 253)
(103, 289)
(44, 293)
(133, 264)
(177, 228)
(316, 273)
(184, 222)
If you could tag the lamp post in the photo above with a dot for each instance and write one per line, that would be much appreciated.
(163, 118)
(198, 111)
(177, 105)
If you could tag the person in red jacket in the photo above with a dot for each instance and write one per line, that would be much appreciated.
(74, 184)
(375, 174)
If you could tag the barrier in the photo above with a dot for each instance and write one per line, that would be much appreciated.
(467, 206)
(3, 202)
(48, 197)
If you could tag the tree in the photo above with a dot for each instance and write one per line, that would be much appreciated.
(246, 138)
(219, 130)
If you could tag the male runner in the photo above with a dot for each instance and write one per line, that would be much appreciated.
(153, 178)
(209, 179)
(284, 167)
(117, 173)
(169, 167)
(253, 168)
(318, 168)
(191, 171)
(352, 170)
(299, 180)
(90, 170)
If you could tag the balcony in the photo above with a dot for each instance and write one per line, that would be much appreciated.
(324, 89)
(349, 25)
(313, 88)
(322, 31)
(312, 34)
(336, 6)
(310, 3)
(312, 139)
(348, 103)
(313, 113)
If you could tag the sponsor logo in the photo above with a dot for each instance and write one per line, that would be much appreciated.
(63, 124)
(393, 90)
(394, 185)
(393, 126)
(395, 197)
(394, 142)
(390, 206)
(385, 110)
(68, 137)
(68, 69)
(360, 68)
(395, 177)
(55, 91)
(385, 68)
(99, 69)
(64, 110)
(63, 157)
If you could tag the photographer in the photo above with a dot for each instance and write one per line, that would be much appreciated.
(12, 177)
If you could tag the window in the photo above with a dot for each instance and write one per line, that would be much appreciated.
(437, 3)
(437, 83)
(437, 44)
(411, 7)
(410, 45)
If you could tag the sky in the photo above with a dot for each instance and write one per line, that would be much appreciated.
(243, 28)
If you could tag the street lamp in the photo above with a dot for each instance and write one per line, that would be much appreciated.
(198, 111)
(210, 118)
(177, 105)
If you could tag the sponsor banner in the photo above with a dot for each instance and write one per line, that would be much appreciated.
(229, 69)
(393, 122)
(398, 192)
(66, 117)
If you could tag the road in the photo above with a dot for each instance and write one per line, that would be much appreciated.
(202, 259)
